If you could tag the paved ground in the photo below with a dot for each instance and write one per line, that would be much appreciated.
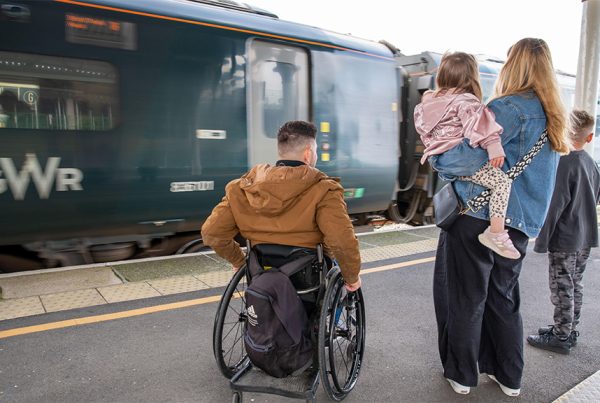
(33, 293)
(167, 355)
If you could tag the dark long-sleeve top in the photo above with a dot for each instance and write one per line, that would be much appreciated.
(572, 224)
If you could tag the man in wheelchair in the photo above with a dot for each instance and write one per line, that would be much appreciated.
(298, 312)
(291, 203)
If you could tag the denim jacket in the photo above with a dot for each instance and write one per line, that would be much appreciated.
(523, 120)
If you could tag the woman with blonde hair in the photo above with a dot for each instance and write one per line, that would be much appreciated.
(476, 292)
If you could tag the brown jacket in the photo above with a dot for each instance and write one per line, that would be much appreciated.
(299, 206)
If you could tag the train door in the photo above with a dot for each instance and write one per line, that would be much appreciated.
(278, 92)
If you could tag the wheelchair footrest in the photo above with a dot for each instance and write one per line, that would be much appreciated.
(252, 379)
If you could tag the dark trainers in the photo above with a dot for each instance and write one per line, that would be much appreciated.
(549, 328)
(548, 341)
(574, 336)
(545, 329)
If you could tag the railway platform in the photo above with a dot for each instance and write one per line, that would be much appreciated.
(43, 291)
(108, 306)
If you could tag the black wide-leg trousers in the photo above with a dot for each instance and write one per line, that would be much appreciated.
(476, 299)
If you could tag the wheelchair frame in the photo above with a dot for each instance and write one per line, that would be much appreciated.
(339, 346)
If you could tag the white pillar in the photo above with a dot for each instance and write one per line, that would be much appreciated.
(586, 86)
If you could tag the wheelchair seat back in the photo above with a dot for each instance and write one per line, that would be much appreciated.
(275, 255)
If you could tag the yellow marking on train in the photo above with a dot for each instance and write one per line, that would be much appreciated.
(20, 331)
(324, 156)
(324, 127)
(206, 24)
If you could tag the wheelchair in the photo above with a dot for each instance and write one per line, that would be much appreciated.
(337, 320)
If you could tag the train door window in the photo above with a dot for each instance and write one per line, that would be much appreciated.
(57, 93)
(278, 92)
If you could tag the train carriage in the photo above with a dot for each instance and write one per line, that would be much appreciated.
(121, 122)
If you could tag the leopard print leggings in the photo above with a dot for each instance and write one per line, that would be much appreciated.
(499, 184)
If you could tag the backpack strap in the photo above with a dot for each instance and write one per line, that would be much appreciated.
(296, 265)
(289, 269)
(254, 267)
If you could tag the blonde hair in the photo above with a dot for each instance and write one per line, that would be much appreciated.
(458, 70)
(581, 125)
(529, 67)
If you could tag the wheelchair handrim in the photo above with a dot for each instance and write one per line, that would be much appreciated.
(338, 390)
(231, 359)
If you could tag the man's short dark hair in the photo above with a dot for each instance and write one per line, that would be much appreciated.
(294, 135)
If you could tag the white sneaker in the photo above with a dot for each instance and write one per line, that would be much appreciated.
(458, 388)
(507, 391)
(499, 243)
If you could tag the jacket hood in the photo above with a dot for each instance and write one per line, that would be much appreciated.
(272, 189)
(435, 107)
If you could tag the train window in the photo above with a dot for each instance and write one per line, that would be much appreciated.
(278, 93)
(57, 93)
(487, 81)
(277, 105)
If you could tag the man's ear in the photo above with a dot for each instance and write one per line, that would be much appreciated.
(307, 154)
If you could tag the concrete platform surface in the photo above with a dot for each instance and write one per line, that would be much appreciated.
(22, 284)
(34, 293)
(159, 349)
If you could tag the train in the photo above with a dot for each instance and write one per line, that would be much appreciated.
(121, 122)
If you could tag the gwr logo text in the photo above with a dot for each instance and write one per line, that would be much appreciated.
(43, 180)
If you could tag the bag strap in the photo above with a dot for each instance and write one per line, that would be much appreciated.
(289, 269)
(296, 265)
(477, 202)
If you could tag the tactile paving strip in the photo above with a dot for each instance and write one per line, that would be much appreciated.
(175, 285)
(216, 278)
(587, 391)
(128, 292)
(17, 308)
(71, 300)
(394, 251)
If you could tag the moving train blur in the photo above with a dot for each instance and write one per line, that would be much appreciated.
(121, 122)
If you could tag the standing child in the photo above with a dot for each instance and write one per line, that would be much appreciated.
(449, 115)
(568, 234)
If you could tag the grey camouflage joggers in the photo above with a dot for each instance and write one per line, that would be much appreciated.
(566, 288)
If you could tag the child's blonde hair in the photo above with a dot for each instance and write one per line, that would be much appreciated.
(581, 124)
(458, 70)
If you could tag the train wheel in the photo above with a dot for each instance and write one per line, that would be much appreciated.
(192, 246)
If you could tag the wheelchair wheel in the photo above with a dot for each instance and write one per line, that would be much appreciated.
(341, 337)
(230, 322)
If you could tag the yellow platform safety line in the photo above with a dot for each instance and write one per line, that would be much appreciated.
(20, 331)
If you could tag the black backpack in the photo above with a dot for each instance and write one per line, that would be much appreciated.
(277, 336)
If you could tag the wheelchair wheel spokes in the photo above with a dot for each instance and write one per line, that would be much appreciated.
(341, 339)
(230, 321)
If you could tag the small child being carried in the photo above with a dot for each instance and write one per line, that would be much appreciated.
(449, 115)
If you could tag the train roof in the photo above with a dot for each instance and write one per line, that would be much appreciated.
(487, 64)
(226, 14)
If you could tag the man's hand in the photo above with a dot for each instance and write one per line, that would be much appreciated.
(354, 286)
(497, 162)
